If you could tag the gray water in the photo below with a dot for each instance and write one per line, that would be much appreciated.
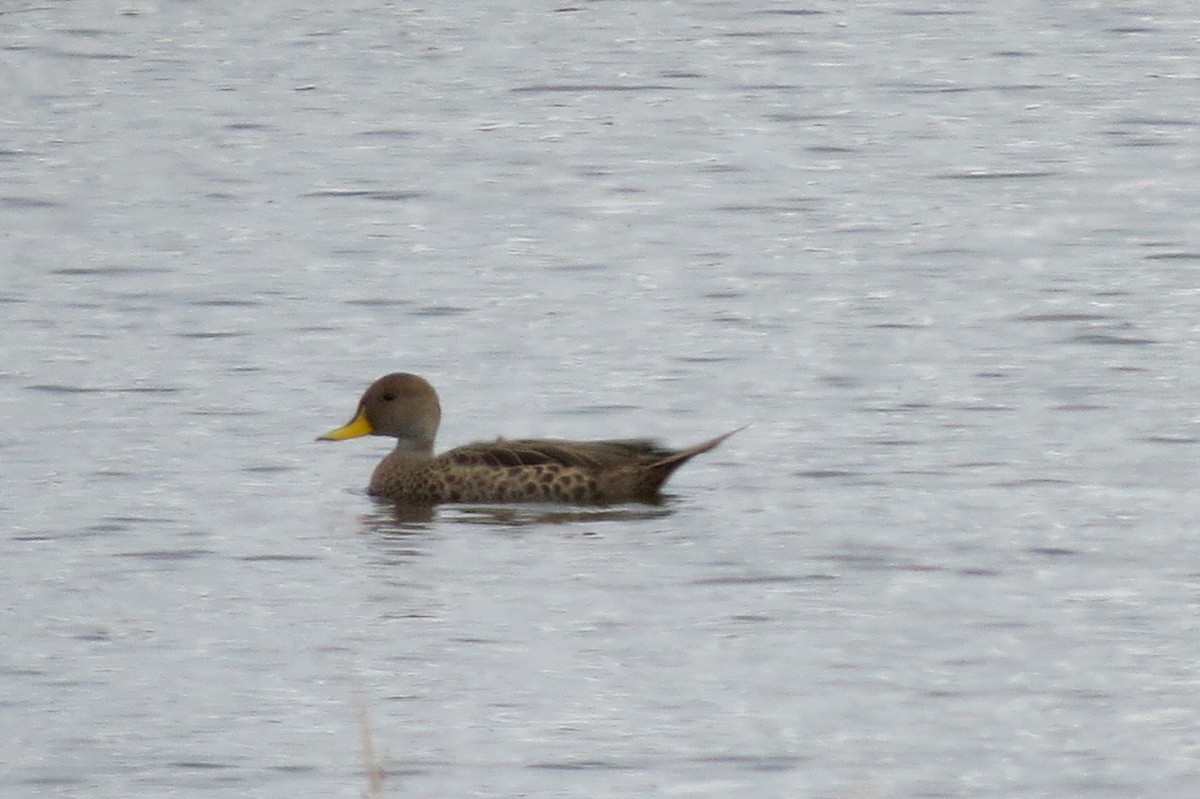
(944, 259)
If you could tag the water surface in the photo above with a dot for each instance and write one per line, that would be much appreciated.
(942, 261)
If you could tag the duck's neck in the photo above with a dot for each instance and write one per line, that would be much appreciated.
(414, 447)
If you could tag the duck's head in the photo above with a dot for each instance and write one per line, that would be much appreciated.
(400, 405)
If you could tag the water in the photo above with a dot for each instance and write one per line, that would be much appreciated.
(942, 260)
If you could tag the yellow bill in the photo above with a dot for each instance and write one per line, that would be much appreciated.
(358, 426)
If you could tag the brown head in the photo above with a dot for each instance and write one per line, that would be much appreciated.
(400, 405)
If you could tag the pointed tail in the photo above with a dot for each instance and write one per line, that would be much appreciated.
(664, 468)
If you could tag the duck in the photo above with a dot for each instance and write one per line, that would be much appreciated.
(405, 407)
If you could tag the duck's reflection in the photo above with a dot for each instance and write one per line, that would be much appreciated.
(402, 519)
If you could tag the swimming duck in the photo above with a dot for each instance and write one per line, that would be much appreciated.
(406, 407)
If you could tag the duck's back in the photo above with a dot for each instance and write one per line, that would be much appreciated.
(597, 455)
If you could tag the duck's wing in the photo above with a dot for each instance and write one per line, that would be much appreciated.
(582, 454)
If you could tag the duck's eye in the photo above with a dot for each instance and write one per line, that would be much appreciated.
(388, 396)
